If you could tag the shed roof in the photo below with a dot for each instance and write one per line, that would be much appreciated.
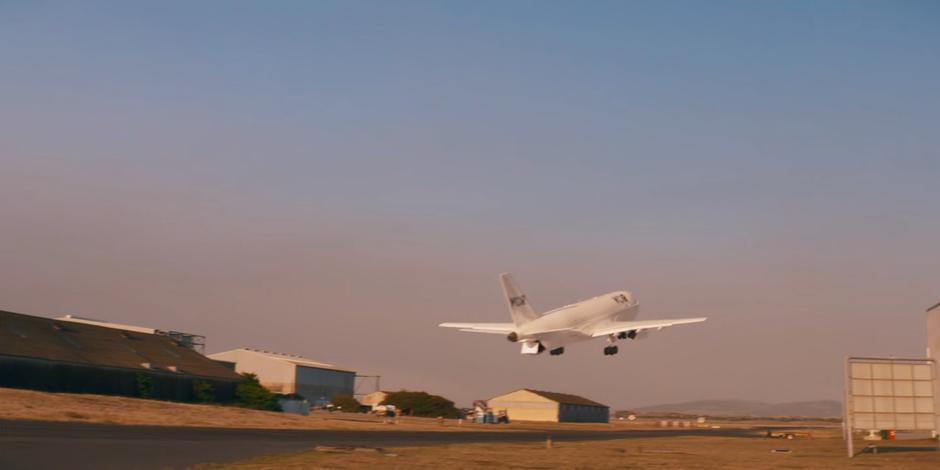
(35, 337)
(565, 398)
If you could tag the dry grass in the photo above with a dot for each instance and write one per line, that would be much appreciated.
(45, 406)
(687, 452)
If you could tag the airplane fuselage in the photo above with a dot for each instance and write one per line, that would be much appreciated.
(574, 323)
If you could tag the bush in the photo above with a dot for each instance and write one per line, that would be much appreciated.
(346, 403)
(144, 385)
(422, 404)
(250, 394)
(203, 392)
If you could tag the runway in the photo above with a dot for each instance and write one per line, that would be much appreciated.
(37, 444)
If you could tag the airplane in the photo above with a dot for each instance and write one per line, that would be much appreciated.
(611, 315)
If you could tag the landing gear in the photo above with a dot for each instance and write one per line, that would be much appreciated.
(610, 350)
(557, 351)
(627, 334)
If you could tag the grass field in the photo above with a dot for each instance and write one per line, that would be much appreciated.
(45, 406)
(825, 450)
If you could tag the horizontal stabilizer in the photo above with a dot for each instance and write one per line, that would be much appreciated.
(492, 328)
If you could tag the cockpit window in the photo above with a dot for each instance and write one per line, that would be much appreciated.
(621, 299)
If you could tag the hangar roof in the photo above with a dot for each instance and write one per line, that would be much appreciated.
(34, 337)
(565, 398)
(292, 358)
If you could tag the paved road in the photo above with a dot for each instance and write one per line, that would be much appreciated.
(38, 445)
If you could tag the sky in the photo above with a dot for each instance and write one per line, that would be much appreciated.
(334, 179)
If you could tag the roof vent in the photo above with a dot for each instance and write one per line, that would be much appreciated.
(173, 368)
(146, 365)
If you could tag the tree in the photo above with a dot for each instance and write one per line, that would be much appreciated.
(250, 394)
(203, 392)
(345, 403)
(421, 404)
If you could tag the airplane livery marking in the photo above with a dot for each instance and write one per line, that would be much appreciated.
(517, 301)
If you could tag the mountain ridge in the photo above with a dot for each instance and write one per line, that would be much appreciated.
(731, 407)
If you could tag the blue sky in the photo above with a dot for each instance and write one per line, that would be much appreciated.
(770, 164)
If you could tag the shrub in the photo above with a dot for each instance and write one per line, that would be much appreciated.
(421, 404)
(203, 392)
(346, 403)
(144, 385)
(250, 394)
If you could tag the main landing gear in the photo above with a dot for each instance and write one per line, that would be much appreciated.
(557, 351)
(610, 350)
(627, 334)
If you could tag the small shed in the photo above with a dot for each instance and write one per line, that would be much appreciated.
(373, 399)
(537, 405)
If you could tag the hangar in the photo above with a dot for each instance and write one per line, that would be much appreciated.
(289, 374)
(63, 356)
(537, 405)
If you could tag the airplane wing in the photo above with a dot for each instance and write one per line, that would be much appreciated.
(492, 328)
(638, 326)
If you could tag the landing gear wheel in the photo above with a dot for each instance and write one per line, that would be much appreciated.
(610, 350)
(557, 351)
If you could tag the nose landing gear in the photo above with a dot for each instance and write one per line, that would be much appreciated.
(610, 350)
(557, 351)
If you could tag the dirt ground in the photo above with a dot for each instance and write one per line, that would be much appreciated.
(824, 450)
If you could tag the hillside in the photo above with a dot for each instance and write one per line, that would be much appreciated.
(815, 409)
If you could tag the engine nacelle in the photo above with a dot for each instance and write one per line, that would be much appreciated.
(513, 337)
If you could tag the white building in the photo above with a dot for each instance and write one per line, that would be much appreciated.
(285, 374)
(373, 399)
(537, 405)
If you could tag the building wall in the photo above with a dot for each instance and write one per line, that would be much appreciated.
(274, 374)
(320, 385)
(933, 351)
(54, 376)
(583, 413)
(523, 405)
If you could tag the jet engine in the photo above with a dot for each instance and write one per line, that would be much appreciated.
(513, 337)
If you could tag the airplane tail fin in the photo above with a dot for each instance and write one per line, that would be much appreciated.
(519, 306)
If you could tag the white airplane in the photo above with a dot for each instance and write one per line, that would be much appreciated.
(611, 315)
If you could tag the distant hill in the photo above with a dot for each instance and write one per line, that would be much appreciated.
(814, 409)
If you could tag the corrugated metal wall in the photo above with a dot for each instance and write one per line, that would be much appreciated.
(582, 414)
(51, 376)
(320, 385)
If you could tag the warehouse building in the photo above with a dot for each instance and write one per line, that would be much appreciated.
(289, 374)
(64, 356)
(537, 405)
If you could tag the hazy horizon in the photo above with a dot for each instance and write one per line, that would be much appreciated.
(335, 179)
